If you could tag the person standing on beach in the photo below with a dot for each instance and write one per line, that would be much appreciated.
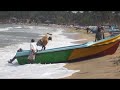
(88, 30)
(99, 34)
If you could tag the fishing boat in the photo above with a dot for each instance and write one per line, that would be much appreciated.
(114, 30)
(85, 51)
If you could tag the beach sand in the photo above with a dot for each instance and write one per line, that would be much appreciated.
(106, 67)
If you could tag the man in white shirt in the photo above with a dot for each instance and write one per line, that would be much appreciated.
(33, 50)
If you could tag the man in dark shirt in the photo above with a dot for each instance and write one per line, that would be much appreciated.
(99, 34)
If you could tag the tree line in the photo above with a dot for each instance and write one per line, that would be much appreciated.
(62, 17)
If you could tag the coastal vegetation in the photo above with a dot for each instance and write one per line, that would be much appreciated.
(61, 17)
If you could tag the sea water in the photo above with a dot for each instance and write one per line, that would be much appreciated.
(13, 37)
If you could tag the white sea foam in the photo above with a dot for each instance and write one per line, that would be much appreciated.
(19, 27)
(5, 29)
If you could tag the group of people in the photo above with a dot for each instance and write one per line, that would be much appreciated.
(33, 47)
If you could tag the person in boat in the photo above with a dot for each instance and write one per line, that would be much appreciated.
(11, 60)
(99, 34)
(33, 50)
(44, 41)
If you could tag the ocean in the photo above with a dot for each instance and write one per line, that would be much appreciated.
(14, 36)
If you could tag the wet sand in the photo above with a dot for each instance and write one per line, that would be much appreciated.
(106, 67)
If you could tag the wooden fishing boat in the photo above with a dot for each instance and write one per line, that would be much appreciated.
(73, 53)
(114, 32)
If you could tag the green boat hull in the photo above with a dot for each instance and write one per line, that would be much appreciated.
(47, 57)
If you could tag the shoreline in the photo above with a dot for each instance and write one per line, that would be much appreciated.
(97, 68)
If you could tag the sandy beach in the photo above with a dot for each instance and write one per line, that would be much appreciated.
(106, 67)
